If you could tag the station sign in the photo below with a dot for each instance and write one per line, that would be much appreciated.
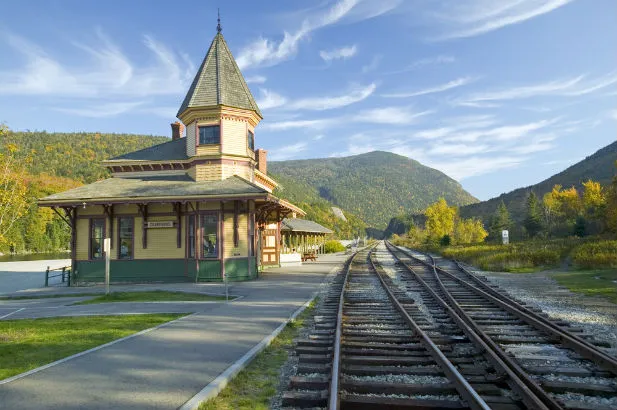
(505, 237)
(160, 224)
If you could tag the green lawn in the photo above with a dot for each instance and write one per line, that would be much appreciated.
(599, 282)
(64, 295)
(256, 384)
(152, 296)
(29, 343)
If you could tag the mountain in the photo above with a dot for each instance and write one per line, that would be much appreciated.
(373, 186)
(599, 167)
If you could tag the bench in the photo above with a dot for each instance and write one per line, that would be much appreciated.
(309, 255)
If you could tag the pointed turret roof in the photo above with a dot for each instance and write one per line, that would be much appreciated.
(219, 81)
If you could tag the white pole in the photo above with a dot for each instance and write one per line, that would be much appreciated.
(107, 250)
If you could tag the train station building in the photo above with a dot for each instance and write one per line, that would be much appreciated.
(197, 208)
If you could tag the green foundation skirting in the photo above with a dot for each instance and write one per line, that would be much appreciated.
(165, 270)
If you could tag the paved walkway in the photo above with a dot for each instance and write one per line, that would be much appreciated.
(164, 368)
(16, 276)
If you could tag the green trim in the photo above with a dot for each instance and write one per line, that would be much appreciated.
(164, 270)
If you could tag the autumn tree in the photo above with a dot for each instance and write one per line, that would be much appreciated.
(469, 231)
(610, 216)
(533, 220)
(13, 188)
(500, 221)
(440, 219)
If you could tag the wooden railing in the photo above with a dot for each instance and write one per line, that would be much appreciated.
(64, 273)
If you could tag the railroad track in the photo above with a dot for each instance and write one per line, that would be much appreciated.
(395, 333)
(553, 358)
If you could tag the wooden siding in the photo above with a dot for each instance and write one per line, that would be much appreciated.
(210, 149)
(190, 139)
(161, 241)
(208, 172)
(228, 228)
(83, 227)
(94, 210)
(126, 209)
(234, 137)
(237, 168)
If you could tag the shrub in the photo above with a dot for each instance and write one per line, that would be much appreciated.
(599, 254)
(333, 247)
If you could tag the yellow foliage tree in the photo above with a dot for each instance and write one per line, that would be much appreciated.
(13, 187)
(440, 219)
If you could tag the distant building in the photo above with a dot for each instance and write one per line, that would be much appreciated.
(196, 208)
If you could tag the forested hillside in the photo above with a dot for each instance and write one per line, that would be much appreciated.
(317, 208)
(45, 163)
(598, 167)
(76, 155)
(374, 186)
(61, 161)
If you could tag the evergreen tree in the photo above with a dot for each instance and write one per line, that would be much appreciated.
(500, 221)
(533, 220)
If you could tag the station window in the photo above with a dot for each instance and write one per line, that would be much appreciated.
(125, 238)
(191, 232)
(210, 236)
(97, 233)
(251, 140)
(210, 134)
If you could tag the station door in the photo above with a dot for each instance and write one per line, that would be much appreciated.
(269, 248)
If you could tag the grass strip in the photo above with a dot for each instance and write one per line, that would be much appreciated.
(152, 296)
(52, 296)
(599, 282)
(26, 344)
(256, 384)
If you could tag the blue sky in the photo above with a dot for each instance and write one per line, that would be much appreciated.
(497, 94)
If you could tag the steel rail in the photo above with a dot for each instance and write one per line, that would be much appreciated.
(577, 343)
(532, 395)
(333, 399)
(467, 392)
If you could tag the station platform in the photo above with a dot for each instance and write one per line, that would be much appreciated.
(164, 368)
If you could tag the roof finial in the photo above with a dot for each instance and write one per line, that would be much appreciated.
(218, 26)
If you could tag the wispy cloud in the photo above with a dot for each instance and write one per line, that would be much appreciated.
(256, 79)
(103, 110)
(342, 53)
(470, 18)
(270, 99)
(316, 124)
(431, 90)
(287, 151)
(569, 87)
(356, 94)
(440, 59)
(373, 64)
(390, 115)
(107, 71)
(266, 52)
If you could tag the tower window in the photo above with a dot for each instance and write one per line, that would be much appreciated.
(251, 138)
(210, 135)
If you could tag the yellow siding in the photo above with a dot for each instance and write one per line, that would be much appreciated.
(190, 139)
(208, 172)
(161, 241)
(237, 168)
(228, 229)
(234, 137)
(129, 209)
(210, 149)
(83, 225)
(90, 210)
(160, 208)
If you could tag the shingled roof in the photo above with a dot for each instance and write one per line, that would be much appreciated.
(127, 189)
(219, 81)
(303, 225)
(173, 150)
